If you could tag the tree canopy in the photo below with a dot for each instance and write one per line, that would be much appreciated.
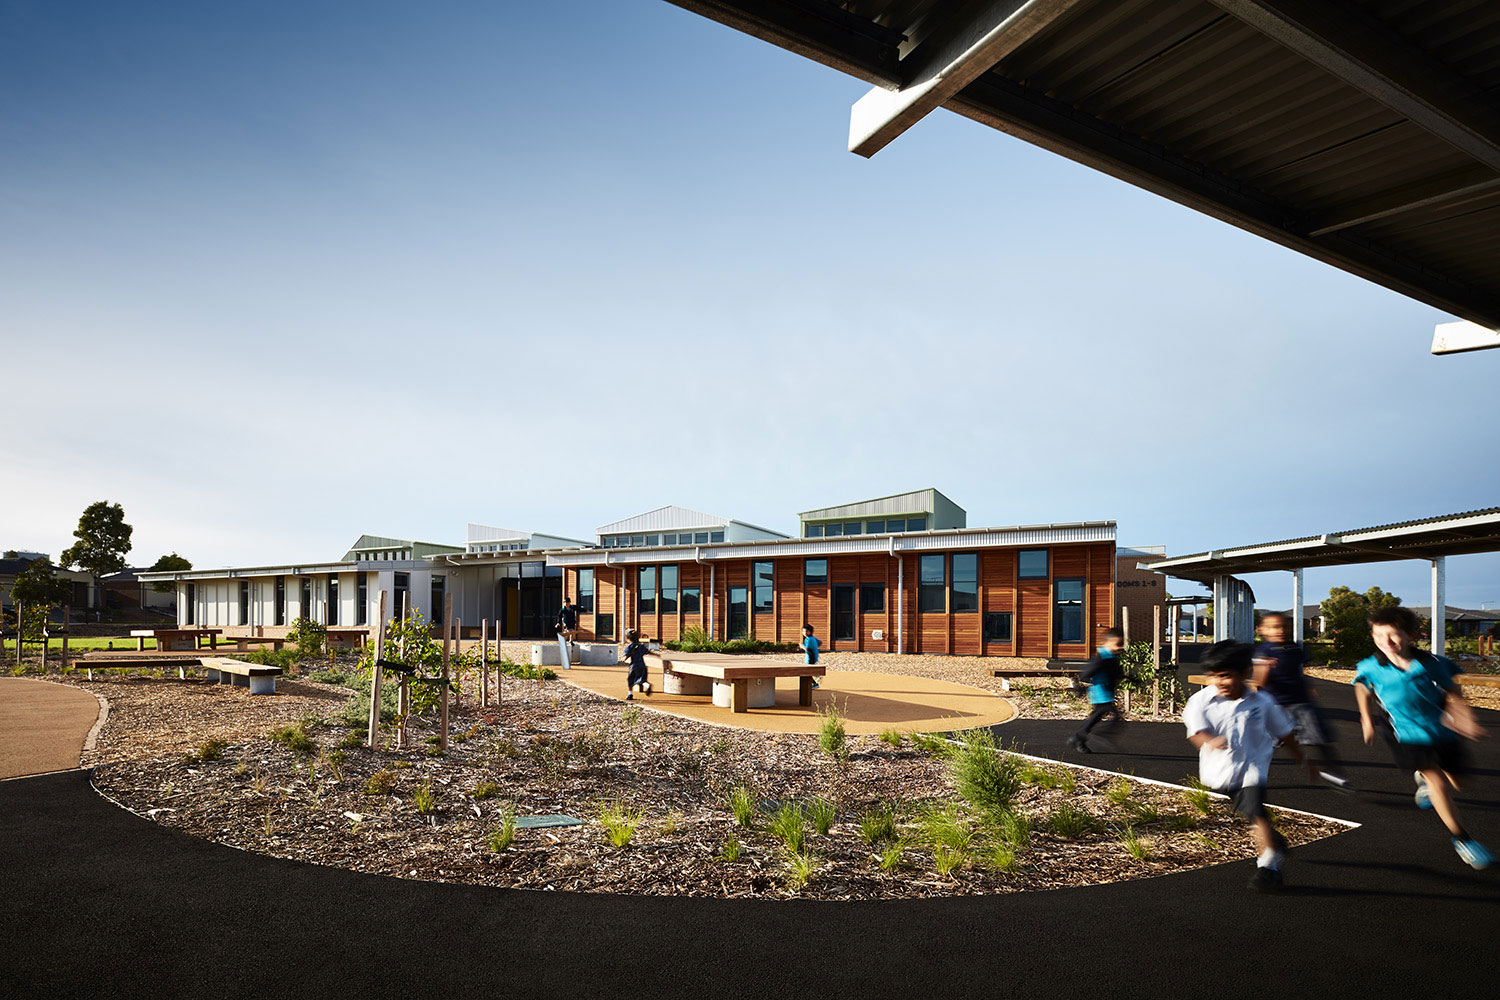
(39, 586)
(103, 539)
(1345, 619)
(168, 564)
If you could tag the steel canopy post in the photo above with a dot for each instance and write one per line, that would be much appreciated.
(1297, 606)
(1439, 604)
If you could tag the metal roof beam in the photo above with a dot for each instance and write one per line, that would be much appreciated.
(944, 63)
(815, 29)
(1449, 190)
(1368, 54)
(1054, 125)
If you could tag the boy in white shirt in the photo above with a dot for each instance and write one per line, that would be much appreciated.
(1236, 730)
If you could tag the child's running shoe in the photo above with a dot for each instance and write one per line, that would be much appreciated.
(1338, 783)
(1266, 879)
(1475, 854)
(1423, 797)
(646, 688)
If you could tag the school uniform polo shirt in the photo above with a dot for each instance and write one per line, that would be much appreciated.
(1414, 697)
(1251, 725)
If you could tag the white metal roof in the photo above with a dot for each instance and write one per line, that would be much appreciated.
(666, 518)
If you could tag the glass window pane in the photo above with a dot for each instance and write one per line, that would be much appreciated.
(997, 626)
(852, 527)
(718, 536)
(1070, 590)
(830, 530)
(701, 538)
(653, 540)
(765, 588)
(916, 524)
(691, 601)
(895, 525)
(814, 531)
(874, 527)
(872, 598)
(931, 570)
(1032, 564)
(965, 583)
(815, 571)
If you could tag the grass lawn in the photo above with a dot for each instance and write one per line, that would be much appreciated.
(80, 642)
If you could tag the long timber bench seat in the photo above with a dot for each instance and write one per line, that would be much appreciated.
(258, 677)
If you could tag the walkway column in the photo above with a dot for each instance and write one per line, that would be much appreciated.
(1221, 609)
(1439, 604)
(1297, 606)
(901, 605)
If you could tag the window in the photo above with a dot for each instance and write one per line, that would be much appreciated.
(638, 541)
(872, 598)
(853, 528)
(764, 576)
(814, 531)
(669, 590)
(669, 539)
(874, 527)
(895, 525)
(609, 541)
(532, 570)
(585, 591)
(281, 600)
(739, 612)
(997, 626)
(244, 602)
(439, 591)
(717, 536)
(932, 593)
(916, 524)
(701, 538)
(401, 592)
(831, 530)
(1067, 613)
(333, 600)
(646, 595)
(692, 601)
(361, 599)
(815, 571)
(604, 626)
(192, 606)
(653, 540)
(1031, 564)
(965, 583)
(304, 599)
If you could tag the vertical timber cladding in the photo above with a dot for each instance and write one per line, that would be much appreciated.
(1072, 562)
(997, 580)
(790, 597)
(1102, 591)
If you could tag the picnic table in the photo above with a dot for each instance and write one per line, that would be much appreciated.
(738, 683)
(242, 643)
(347, 638)
(175, 638)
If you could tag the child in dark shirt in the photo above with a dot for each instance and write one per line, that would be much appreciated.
(1103, 676)
(1279, 673)
(635, 653)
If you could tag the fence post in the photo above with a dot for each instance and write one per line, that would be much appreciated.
(67, 614)
(374, 738)
(443, 690)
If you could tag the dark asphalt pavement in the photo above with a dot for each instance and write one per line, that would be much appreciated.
(99, 902)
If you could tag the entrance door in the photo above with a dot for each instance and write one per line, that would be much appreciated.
(739, 612)
(845, 628)
(512, 623)
(533, 615)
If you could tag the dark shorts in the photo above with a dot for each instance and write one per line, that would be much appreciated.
(1311, 728)
(636, 676)
(1249, 801)
(1448, 756)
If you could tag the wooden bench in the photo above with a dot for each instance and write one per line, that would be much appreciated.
(132, 660)
(259, 678)
(175, 639)
(347, 638)
(738, 683)
(242, 643)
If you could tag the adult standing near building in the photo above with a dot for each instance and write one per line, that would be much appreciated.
(567, 619)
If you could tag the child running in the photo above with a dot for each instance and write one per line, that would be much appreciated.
(1279, 673)
(636, 654)
(1427, 714)
(810, 646)
(1235, 730)
(1102, 675)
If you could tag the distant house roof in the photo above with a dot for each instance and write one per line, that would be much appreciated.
(1452, 614)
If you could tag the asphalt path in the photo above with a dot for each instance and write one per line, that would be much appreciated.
(100, 902)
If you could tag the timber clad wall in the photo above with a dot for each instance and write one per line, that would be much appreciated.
(1031, 603)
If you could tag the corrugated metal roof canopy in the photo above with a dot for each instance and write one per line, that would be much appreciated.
(1448, 535)
(1363, 133)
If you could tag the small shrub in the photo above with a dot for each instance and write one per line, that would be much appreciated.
(1002, 858)
(987, 779)
(295, 739)
(1070, 822)
(1119, 791)
(501, 837)
(731, 850)
(671, 823)
(788, 826)
(1197, 796)
(329, 677)
(878, 824)
(822, 814)
(352, 740)
(630, 716)
(425, 798)
(484, 790)
(742, 804)
(1014, 829)
(932, 744)
(1145, 813)
(832, 737)
(893, 737)
(942, 827)
(619, 822)
(310, 637)
(800, 869)
(381, 783)
(948, 859)
(1134, 846)
(891, 859)
(336, 760)
(210, 749)
(1067, 781)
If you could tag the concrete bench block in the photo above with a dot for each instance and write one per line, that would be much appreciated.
(239, 680)
(690, 684)
(263, 685)
(596, 654)
(547, 654)
(760, 692)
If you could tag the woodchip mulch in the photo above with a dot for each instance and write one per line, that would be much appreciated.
(1479, 697)
(555, 749)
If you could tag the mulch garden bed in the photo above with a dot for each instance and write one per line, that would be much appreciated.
(556, 749)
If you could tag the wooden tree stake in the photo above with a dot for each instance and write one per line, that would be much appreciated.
(484, 663)
(1155, 659)
(443, 696)
(67, 614)
(375, 672)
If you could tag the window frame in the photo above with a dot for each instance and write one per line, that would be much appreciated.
(1010, 626)
(756, 607)
(932, 596)
(970, 603)
(645, 596)
(586, 591)
(362, 599)
(696, 594)
(244, 602)
(1073, 609)
(332, 604)
(872, 588)
(1045, 574)
(667, 596)
(811, 579)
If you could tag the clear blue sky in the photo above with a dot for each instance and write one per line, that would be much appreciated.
(273, 275)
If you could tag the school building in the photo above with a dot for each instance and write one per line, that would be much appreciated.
(898, 574)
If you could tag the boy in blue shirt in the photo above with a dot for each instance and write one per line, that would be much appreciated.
(810, 646)
(1103, 676)
(1427, 715)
